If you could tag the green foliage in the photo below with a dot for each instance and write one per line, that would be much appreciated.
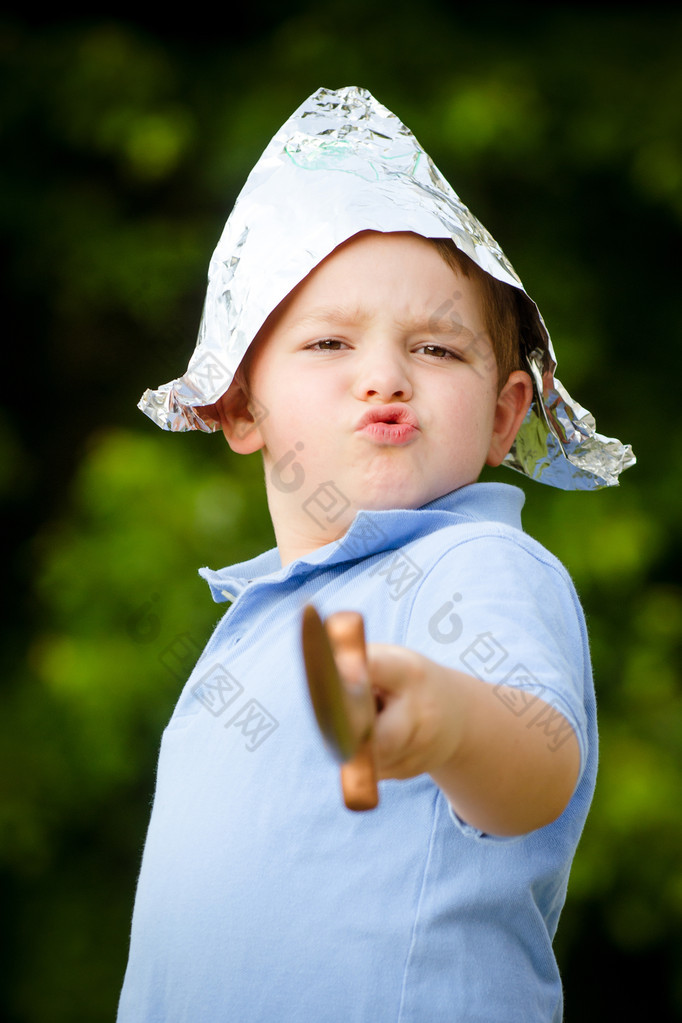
(124, 149)
(140, 611)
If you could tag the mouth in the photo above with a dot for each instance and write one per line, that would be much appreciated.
(389, 414)
(389, 424)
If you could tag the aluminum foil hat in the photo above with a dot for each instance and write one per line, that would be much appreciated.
(341, 164)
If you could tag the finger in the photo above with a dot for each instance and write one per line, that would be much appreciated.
(391, 668)
(394, 739)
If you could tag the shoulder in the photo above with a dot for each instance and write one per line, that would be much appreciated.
(489, 553)
(481, 524)
(490, 579)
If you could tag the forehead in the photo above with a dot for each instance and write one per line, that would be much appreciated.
(398, 274)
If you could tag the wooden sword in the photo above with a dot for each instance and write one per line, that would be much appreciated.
(336, 668)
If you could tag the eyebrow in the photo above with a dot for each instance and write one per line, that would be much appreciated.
(440, 322)
(336, 314)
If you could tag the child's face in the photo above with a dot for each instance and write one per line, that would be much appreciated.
(380, 386)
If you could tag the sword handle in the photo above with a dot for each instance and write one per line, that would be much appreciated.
(346, 633)
(359, 779)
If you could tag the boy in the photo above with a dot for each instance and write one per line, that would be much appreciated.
(377, 370)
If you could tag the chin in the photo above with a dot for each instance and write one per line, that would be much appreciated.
(387, 498)
(384, 491)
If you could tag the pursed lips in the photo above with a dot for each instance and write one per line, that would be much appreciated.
(389, 424)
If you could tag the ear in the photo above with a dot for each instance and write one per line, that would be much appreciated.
(513, 402)
(240, 417)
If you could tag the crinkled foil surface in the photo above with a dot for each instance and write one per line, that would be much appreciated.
(341, 164)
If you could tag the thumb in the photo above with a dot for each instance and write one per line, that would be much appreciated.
(392, 668)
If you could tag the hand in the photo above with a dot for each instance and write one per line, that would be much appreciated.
(417, 729)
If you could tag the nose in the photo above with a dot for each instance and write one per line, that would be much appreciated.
(382, 376)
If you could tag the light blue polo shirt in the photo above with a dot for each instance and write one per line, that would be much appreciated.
(261, 899)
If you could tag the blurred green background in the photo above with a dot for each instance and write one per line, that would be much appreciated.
(124, 144)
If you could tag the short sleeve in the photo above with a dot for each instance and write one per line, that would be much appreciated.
(501, 608)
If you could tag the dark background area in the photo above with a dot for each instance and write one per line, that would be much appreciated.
(125, 141)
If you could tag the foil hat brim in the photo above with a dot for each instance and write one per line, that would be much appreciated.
(341, 164)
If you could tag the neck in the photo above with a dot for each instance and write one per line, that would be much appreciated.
(305, 522)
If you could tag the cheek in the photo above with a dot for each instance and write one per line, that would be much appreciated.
(467, 423)
(462, 406)
(299, 427)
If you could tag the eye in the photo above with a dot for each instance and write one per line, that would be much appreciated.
(438, 351)
(326, 344)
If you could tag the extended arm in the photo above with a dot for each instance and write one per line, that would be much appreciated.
(498, 770)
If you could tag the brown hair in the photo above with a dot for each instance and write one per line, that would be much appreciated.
(501, 308)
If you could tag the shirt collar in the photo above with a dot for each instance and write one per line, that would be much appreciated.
(372, 532)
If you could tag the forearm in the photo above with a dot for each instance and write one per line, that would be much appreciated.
(505, 777)
(500, 770)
